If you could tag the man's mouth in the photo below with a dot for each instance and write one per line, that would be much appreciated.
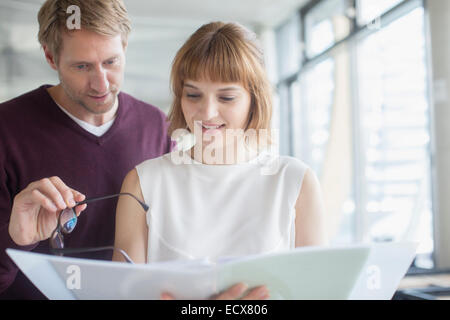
(99, 98)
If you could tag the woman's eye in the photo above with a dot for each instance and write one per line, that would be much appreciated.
(192, 96)
(227, 99)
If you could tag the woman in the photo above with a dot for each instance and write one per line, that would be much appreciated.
(215, 199)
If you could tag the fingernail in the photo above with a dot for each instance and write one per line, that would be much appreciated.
(62, 204)
(262, 292)
(165, 296)
(240, 289)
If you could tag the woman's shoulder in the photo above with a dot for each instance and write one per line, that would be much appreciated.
(286, 164)
(163, 160)
(293, 162)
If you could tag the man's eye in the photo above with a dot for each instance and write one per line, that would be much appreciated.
(81, 67)
(110, 62)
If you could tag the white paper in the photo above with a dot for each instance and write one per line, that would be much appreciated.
(302, 273)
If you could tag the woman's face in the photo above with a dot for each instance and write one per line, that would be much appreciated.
(215, 109)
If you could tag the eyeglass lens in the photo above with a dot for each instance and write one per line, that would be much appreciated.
(67, 221)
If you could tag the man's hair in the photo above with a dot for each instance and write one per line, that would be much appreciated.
(223, 52)
(105, 17)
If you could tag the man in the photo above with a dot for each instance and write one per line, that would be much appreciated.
(60, 144)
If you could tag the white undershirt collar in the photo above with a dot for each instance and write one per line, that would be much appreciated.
(95, 130)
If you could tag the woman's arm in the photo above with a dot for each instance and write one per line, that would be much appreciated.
(131, 227)
(310, 213)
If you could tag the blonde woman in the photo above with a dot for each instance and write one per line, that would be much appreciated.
(214, 199)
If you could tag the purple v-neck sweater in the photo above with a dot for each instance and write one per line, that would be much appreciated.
(38, 140)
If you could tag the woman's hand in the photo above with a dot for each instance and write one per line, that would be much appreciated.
(235, 292)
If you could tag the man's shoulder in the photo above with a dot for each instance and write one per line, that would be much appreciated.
(140, 105)
(19, 104)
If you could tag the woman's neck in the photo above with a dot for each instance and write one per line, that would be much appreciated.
(236, 153)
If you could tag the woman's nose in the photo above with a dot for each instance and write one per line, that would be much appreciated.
(209, 109)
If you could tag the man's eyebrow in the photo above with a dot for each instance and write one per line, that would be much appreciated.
(89, 62)
(80, 62)
(112, 58)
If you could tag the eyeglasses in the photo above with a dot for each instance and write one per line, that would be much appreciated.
(67, 220)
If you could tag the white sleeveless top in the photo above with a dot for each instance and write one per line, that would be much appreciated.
(210, 211)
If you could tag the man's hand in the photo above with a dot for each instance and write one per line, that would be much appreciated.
(35, 209)
(234, 292)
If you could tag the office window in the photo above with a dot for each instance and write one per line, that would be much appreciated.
(360, 119)
(368, 10)
(320, 26)
(316, 102)
(289, 47)
(395, 132)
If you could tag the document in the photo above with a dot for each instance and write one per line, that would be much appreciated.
(301, 273)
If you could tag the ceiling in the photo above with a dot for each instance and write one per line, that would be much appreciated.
(159, 29)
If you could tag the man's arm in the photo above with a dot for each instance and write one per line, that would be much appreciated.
(8, 269)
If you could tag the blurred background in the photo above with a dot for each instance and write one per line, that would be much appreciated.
(361, 96)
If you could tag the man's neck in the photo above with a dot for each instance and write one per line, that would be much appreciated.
(60, 97)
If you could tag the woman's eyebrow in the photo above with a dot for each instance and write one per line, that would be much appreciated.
(232, 88)
(190, 86)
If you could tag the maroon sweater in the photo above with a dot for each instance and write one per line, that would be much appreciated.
(38, 140)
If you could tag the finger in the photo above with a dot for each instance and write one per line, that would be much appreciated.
(78, 196)
(47, 188)
(258, 293)
(40, 199)
(79, 209)
(64, 190)
(232, 293)
(166, 296)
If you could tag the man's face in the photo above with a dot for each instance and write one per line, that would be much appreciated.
(91, 69)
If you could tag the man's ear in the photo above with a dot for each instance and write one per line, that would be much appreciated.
(50, 58)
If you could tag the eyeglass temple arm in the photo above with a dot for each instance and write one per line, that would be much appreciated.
(94, 249)
(143, 205)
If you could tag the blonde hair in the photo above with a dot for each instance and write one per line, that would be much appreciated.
(223, 52)
(105, 17)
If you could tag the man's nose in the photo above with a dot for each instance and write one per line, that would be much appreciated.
(99, 80)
